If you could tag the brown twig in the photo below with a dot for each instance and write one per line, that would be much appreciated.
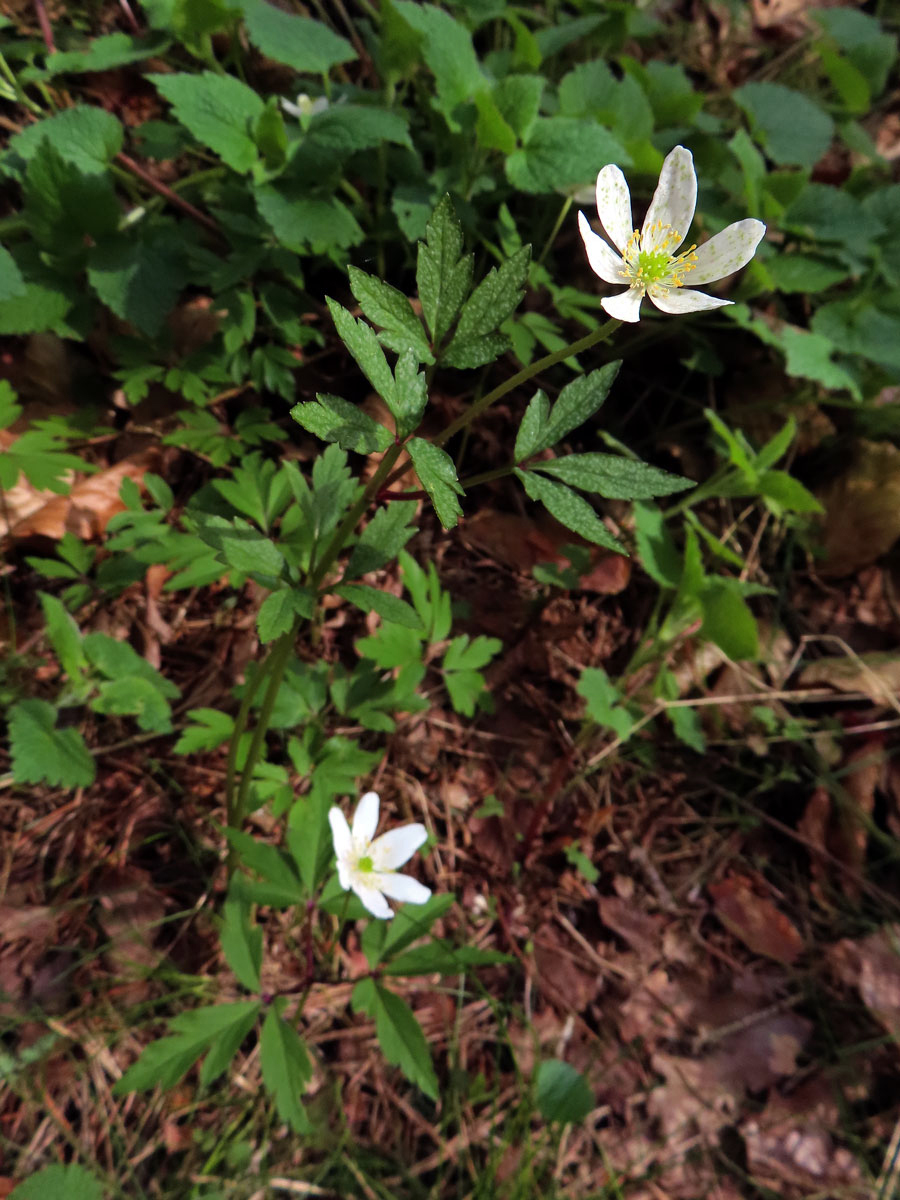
(166, 192)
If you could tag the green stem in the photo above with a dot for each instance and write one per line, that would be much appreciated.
(487, 476)
(529, 372)
(273, 669)
(563, 213)
(346, 527)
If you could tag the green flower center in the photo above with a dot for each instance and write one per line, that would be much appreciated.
(652, 264)
(365, 864)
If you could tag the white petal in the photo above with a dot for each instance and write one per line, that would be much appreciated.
(340, 834)
(396, 846)
(683, 300)
(727, 252)
(403, 887)
(674, 200)
(374, 901)
(365, 819)
(604, 261)
(345, 875)
(625, 306)
(614, 206)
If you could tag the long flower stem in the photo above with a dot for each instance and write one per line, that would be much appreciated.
(273, 669)
(271, 672)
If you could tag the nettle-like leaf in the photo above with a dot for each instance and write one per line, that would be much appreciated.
(401, 329)
(335, 420)
(306, 45)
(570, 509)
(543, 426)
(563, 1094)
(411, 395)
(73, 1182)
(563, 152)
(241, 941)
(498, 295)
(443, 273)
(219, 110)
(43, 753)
(360, 340)
(614, 477)
(390, 608)
(399, 1033)
(280, 609)
(220, 1028)
(85, 135)
(382, 539)
(437, 474)
(12, 283)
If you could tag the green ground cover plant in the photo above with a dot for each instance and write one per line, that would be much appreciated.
(339, 270)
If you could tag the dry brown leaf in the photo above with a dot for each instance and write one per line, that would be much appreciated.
(86, 510)
(521, 543)
(755, 920)
(876, 675)
(872, 965)
(862, 510)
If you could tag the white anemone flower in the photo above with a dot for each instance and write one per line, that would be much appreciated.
(648, 261)
(305, 106)
(367, 866)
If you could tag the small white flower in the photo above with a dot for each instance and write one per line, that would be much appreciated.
(305, 106)
(368, 867)
(649, 264)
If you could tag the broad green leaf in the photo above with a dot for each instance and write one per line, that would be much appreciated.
(518, 98)
(792, 129)
(399, 1033)
(393, 645)
(401, 329)
(788, 494)
(604, 702)
(242, 546)
(855, 326)
(219, 110)
(286, 1069)
(804, 273)
(390, 608)
(570, 509)
(65, 638)
(437, 474)
(728, 621)
(563, 1093)
(41, 753)
(561, 153)
(308, 46)
(241, 942)
(360, 340)
(227, 1043)
(861, 38)
(211, 729)
(164, 1062)
(282, 884)
(85, 135)
(831, 214)
(443, 273)
(613, 476)
(11, 282)
(384, 939)
(277, 612)
(530, 438)
(381, 540)
(301, 221)
(63, 206)
(448, 51)
(54, 1183)
(492, 132)
(104, 54)
(139, 279)
(465, 654)
(115, 659)
(342, 129)
(135, 696)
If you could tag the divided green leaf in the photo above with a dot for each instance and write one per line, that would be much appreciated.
(437, 474)
(43, 753)
(570, 509)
